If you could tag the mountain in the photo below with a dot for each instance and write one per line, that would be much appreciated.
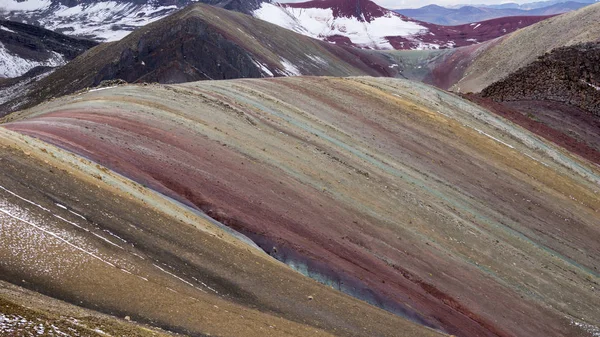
(532, 5)
(364, 24)
(468, 14)
(24, 47)
(204, 42)
(473, 68)
(569, 75)
(558, 94)
(360, 23)
(103, 20)
(149, 201)
(496, 59)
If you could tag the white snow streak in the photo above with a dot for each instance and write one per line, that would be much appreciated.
(492, 137)
(30, 5)
(263, 68)
(57, 237)
(290, 68)
(7, 29)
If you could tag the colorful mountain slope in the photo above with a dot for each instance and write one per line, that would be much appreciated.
(364, 24)
(77, 232)
(397, 193)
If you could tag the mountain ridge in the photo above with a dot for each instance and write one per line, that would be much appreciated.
(474, 13)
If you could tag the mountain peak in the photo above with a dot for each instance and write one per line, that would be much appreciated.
(363, 10)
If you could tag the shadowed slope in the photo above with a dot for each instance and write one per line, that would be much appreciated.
(395, 192)
(27, 313)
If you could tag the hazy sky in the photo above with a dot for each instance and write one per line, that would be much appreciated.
(394, 4)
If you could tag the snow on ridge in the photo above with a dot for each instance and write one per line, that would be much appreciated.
(104, 20)
(320, 23)
(30, 5)
(15, 66)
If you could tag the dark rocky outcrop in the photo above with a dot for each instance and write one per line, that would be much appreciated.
(568, 75)
(188, 51)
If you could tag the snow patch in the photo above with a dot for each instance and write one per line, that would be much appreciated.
(318, 60)
(107, 20)
(100, 89)
(591, 85)
(490, 136)
(15, 66)
(104, 20)
(290, 68)
(29, 5)
(592, 330)
(263, 68)
(16, 325)
(19, 89)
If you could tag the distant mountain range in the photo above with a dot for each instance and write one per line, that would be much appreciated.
(525, 6)
(473, 13)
